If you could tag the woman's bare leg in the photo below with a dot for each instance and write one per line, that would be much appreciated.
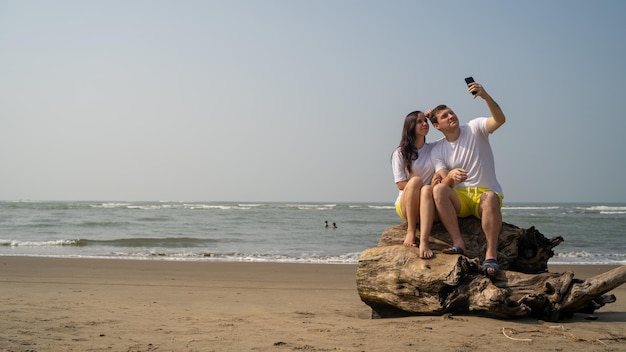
(427, 217)
(411, 208)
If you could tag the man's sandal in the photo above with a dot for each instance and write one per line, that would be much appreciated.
(453, 250)
(490, 264)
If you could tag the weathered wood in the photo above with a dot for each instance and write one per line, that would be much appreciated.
(523, 250)
(587, 294)
(396, 276)
(394, 281)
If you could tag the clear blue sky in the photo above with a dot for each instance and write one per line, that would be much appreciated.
(284, 100)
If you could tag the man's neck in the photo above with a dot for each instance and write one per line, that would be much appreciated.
(453, 135)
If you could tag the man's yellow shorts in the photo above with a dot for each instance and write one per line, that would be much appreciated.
(470, 200)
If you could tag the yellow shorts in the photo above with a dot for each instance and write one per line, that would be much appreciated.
(399, 211)
(470, 200)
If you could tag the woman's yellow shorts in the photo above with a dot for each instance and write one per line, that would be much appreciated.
(399, 211)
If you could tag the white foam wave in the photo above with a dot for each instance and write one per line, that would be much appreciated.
(603, 209)
(110, 205)
(190, 206)
(607, 208)
(348, 258)
(312, 206)
(529, 207)
(51, 243)
(584, 257)
(207, 206)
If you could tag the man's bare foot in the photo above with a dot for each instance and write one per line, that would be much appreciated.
(409, 240)
(425, 252)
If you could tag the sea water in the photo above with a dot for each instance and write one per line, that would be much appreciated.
(270, 232)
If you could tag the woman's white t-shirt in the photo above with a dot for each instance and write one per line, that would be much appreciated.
(421, 167)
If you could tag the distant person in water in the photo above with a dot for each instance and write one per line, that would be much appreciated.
(334, 225)
(413, 172)
(326, 224)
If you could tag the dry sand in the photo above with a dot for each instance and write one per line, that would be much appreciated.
(50, 304)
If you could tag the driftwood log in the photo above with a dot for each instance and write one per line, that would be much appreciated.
(394, 281)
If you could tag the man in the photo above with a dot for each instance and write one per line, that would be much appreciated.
(466, 176)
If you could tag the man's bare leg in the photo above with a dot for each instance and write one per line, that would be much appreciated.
(448, 204)
(491, 221)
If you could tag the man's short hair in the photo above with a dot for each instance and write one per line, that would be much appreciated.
(432, 116)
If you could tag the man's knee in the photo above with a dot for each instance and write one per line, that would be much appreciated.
(490, 200)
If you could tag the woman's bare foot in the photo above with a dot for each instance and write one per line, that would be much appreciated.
(409, 240)
(425, 252)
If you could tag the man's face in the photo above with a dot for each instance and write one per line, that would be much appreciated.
(446, 119)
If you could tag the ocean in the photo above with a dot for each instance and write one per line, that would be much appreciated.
(270, 232)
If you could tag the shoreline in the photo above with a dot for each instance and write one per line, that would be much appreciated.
(78, 304)
(167, 259)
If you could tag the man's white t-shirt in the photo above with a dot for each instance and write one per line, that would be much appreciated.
(472, 152)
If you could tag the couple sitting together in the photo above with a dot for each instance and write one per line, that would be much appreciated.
(450, 178)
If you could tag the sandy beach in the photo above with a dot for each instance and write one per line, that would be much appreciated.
(51, 304)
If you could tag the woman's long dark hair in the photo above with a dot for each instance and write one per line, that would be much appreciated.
(407, 143)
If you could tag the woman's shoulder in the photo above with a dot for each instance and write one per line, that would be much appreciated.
(432, 145)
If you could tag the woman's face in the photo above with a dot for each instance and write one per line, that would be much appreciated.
(421, 125)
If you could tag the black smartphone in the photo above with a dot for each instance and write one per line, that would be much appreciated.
(469, 80)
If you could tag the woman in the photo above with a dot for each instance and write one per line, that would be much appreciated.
(413, 172)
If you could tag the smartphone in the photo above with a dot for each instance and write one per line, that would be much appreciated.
(469, 80)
